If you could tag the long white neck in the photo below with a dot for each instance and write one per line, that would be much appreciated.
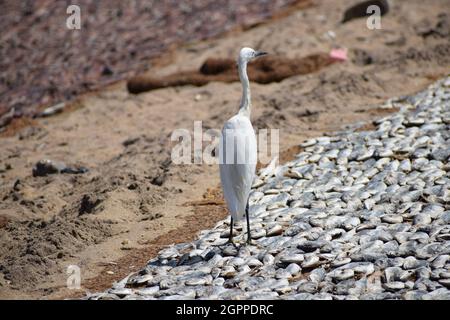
(246, 103)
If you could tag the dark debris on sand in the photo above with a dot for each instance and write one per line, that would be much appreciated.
(43, 62)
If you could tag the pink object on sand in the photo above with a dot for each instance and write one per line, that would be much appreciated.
(339, 54)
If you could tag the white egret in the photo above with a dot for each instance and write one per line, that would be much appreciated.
(238, 150)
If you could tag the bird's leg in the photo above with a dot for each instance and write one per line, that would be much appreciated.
(230, 239)
(249, 237)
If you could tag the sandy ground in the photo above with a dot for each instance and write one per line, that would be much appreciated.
(134, 200)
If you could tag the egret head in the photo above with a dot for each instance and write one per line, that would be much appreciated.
(248, 54)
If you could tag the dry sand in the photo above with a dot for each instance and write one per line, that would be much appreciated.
(133, 200)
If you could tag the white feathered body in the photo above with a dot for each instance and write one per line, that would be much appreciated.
(237, 170)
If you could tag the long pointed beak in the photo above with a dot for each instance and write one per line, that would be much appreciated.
(260, 53)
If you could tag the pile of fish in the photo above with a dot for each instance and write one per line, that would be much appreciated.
(357, 215)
